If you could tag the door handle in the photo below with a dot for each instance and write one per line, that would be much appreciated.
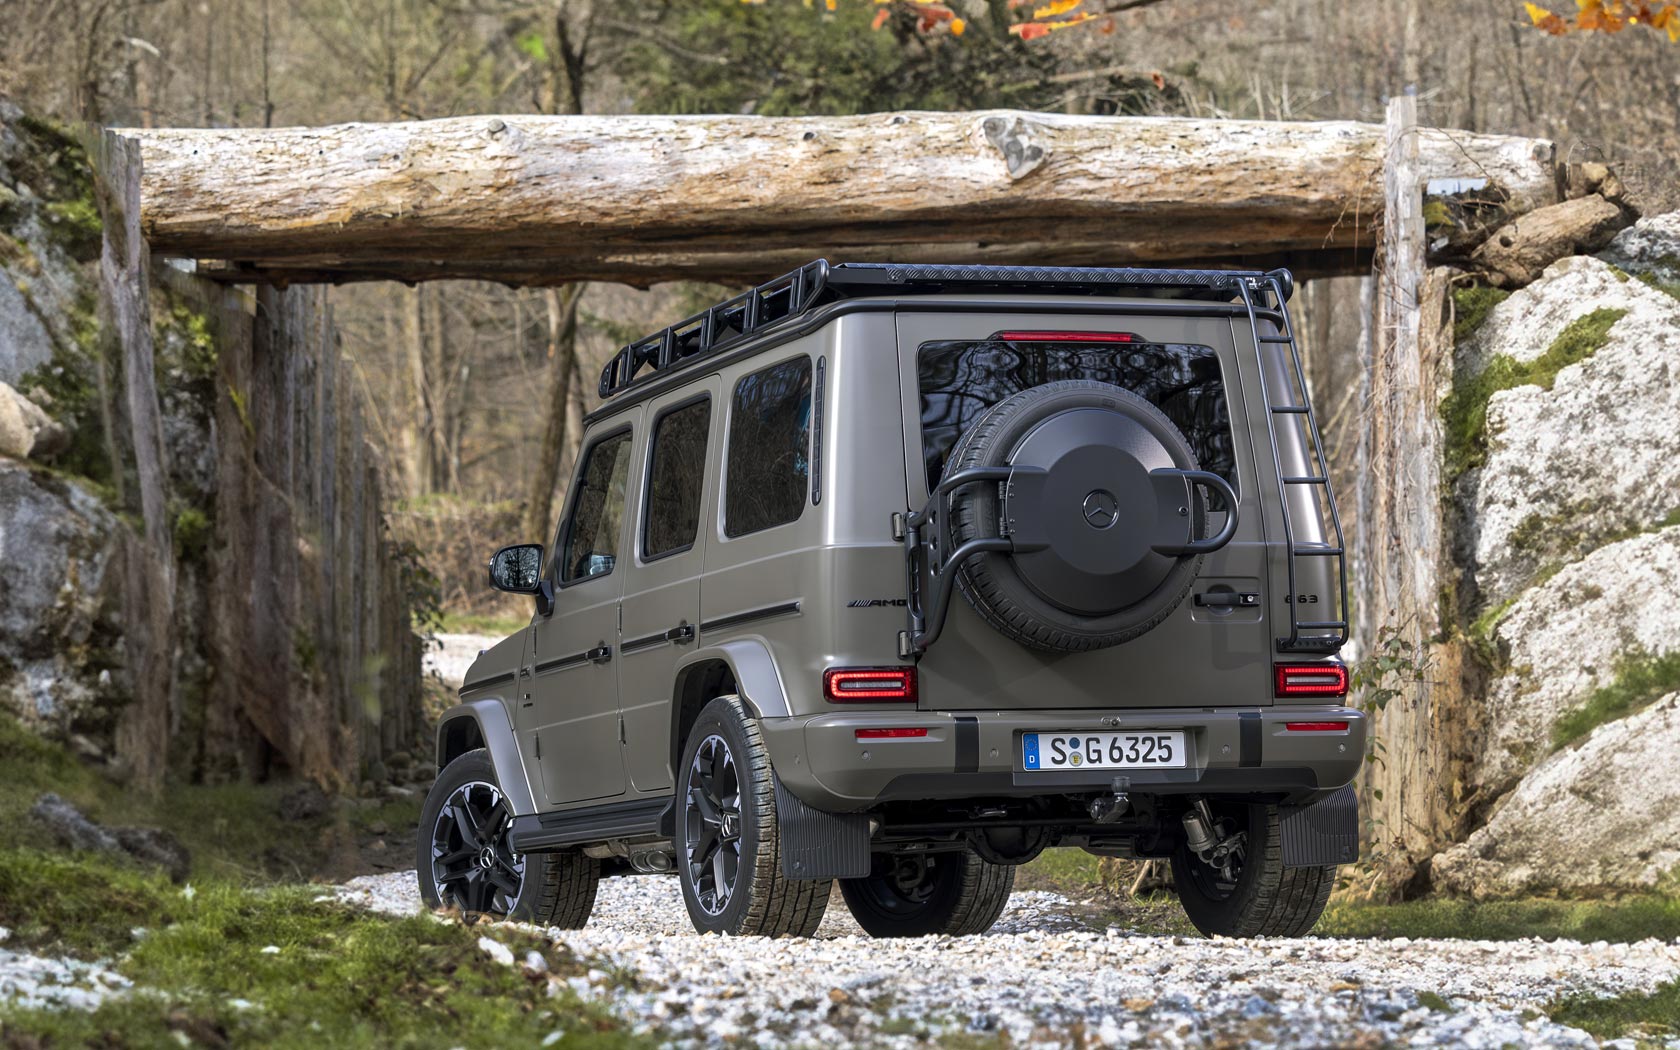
(600, 654)
(682, 634)
(1239, 599)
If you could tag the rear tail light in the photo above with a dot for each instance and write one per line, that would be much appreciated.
(1316, 727)
(1298, 680)
(1066, 337)
(869, 685)
(890, 734)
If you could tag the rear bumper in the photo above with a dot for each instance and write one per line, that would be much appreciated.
(1231, 751)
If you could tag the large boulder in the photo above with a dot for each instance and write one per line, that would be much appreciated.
(1649, 246)
(1595, 457)
(1568, 637)
(1600, 816)
(26, 431)
(59, 647)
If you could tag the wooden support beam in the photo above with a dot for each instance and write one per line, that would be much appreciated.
(148, 615)
(641, 199)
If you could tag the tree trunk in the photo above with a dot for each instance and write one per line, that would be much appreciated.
(553, 199)
(562, 365)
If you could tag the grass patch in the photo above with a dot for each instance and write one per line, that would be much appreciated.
(1654, 1014)
(230, 966)
(1641, 679)
(1464, 412)
(62, 904)
(234, 831)
(482, 623)
(1628, 920)
(1471, 305)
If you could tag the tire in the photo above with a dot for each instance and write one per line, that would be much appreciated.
(997, 584)
(957, 894)
(547, 889)
(728, 841)
(1267, 899)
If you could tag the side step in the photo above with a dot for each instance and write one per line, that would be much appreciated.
(638, 818)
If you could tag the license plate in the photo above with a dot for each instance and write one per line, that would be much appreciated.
(1063, 751)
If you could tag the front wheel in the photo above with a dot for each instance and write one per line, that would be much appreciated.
(729, 841)
(465, 863)
(1248, 892)
(916, 894)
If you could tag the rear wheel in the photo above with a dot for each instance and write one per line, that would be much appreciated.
(464, 861)
(729, 841)
(918, 894)
(1248, 892)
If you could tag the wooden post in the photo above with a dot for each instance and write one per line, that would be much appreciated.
(1401, 538)
(149, 561)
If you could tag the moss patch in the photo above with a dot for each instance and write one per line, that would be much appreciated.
(56, 903)
(1464, 412)
(1471, 305)
(227, 966)
(1622, 921)
(1666, 287)
(1641, 679)
(1654, 1015)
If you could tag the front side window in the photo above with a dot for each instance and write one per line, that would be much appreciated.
(591, 544)
(960, 379)
(769, 448)
(678, 466)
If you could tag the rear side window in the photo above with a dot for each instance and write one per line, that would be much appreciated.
(960, 380)
(591, 546)
(672, 517)
(769, 448)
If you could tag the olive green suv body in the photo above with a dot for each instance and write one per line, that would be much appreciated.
(898, 575)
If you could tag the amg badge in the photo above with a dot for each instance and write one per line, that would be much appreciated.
(871, 603)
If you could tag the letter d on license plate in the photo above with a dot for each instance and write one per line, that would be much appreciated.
(1131, 750)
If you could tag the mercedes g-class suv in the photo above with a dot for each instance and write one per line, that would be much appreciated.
(899, 575)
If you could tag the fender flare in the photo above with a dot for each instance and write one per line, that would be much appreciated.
(756, 677)
(490, 716)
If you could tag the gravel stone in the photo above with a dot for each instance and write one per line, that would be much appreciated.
(1045, 977)
(33, 981)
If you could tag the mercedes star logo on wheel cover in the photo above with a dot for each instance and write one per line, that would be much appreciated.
(1101, 509)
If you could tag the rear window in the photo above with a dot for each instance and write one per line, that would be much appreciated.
(960, 379)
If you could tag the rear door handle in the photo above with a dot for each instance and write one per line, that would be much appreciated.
(1239, 599)
(600, 654)
(682, 634)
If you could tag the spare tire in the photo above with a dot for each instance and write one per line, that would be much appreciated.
(1098, 580)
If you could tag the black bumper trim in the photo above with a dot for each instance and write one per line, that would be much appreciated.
(1249, 739)
(1297, 783)
(967, 739)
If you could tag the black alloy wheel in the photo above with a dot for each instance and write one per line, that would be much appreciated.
(712, 824)
(473, 867)
(916, 894)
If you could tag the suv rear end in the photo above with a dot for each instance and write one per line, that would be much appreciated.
(1222, 719)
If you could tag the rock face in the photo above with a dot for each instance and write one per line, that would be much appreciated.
(1650, 246)
(1596, 817)
(58, 644)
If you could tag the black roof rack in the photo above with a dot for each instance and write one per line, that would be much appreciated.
(733, 321)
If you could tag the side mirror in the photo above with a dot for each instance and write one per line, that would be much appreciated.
(517, 569)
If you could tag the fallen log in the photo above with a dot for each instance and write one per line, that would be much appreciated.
(541, 200)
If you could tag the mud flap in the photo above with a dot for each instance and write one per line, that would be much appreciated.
(818, 845)
(1322, 834)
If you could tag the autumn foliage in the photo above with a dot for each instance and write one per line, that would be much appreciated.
(1609, 16)
(1032, 19)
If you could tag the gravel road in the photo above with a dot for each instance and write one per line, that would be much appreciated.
(1045, 976)
(452, 654)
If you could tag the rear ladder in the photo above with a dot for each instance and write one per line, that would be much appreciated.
(1263, 297)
